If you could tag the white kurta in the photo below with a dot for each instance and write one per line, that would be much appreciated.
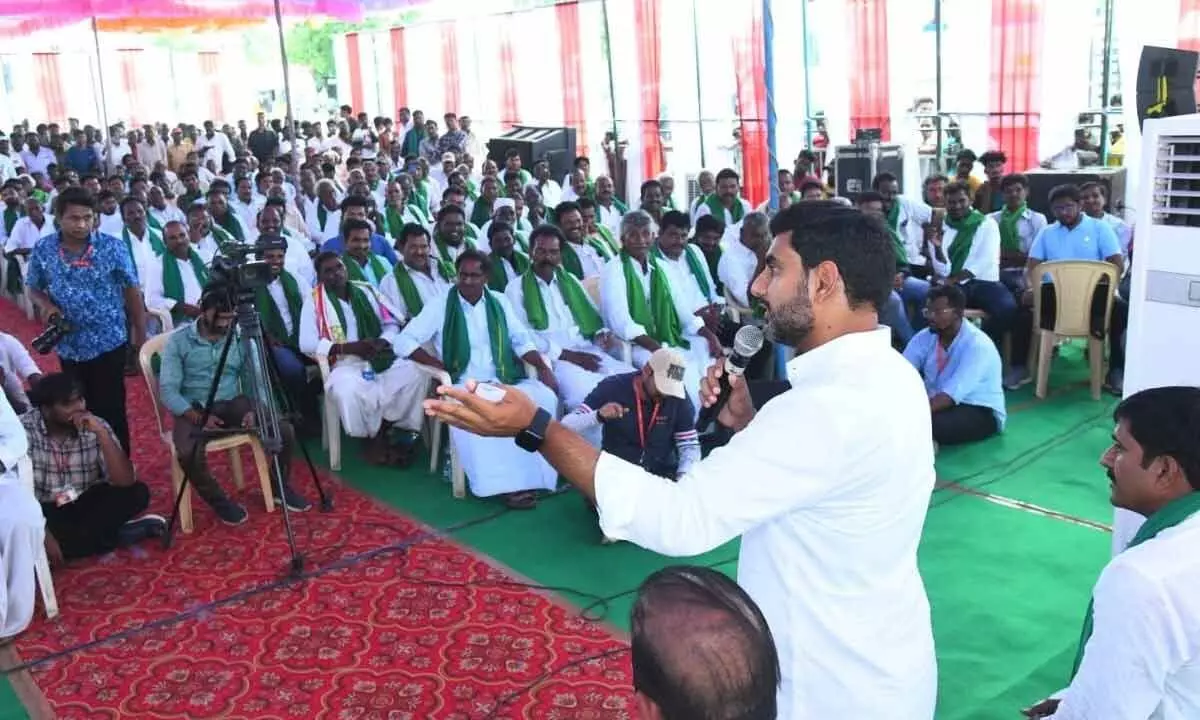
(493, 466)
(279, 297)
(169, 213)
(562, 333)
(428, 287)
(609, 217)
(983, 260)
(732, 229)
(320, 232)
(1141, 660)
(112, 224)
(206, 248)
(154, 290)
(736, 270)
(683, 278)
(394, 395)
(143, 252)
(18, 365)
(25, 234)
(830, 512)
(22, 528)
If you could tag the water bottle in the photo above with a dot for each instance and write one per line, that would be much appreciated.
(368, 374)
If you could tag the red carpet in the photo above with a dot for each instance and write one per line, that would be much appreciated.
(400, 634)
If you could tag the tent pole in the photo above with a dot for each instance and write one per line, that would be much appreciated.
(808, 115)
(699, 82)
(769, 81)
(1106, 81)
(103, 97)
(287, 84)
(612, 89)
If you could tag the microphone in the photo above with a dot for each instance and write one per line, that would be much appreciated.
(746, 343)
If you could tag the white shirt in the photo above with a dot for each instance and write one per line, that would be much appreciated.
(247, 212)
(38, 162)
(143, 252)
(685, 281)
(311, 342)
(427, 288)
(275, 290)
(830, 512)
(562, 332)
(154, 284)
(297, 262)
(614, 301)
(112, 224)
(14, 443)
(1029, 224)
(18, 366)
(552, 194)
(591, 260)
(206, 248)
(1122, 229)
(910, 222)
(983, 261)
(703, 209)
(736, 270)
(8, 169)
(428, 325)
(153, 152)
(332, 227)
(25, 234)
(214, 148)
(116, 153)
(170, 213)
(1143, 658)
(609, 217)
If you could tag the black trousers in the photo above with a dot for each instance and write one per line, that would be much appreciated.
(963, 424)
(1118, 323)
(103, 382)
(89, 526)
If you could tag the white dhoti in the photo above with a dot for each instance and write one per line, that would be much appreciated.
(22, 538)
(698, 362)
(575, 383)
(394, 395)
(495, 466)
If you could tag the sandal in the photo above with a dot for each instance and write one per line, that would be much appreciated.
(521, 500)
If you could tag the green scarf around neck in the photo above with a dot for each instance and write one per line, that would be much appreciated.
(893, 215)
(155, 240)
(1168, 516)
(1010, 239)
(481, 213)
(456, 342)
(696, 268)
(367, 322)
(231, 225)
(718, 210)
(576, 298)
(153, 222)
(900, 250)
(355, 271)
(408, 288)
(445, 264)
(657, 316)
(418, 210)
(11, 216)
(323, 216)
(964, 238)
(498, 276)
(173, 281)
(273, 319)
(614, 247)
(395, 221)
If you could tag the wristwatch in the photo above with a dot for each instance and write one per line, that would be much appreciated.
(532, 437)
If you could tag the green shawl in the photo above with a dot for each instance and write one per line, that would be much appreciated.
(408, 289)
(718, 210)
(695, 266)
(419, 210)
(964, 238)
(1009, 238)
(221, 235)
(173, 281)
(153, 222)
(156, 242)
(1168, 516)
(395, 221)
(322, 216)
(607, 236)
(574, 296)
(367, 322)
(456, 343)
(355, 271)
(231, 225)
(11, 216)
(420, 194)
(481, 213)
(273, 319)
(498, 277)
(445, 264)
(893, 215)
(658, 316)
(900, 249)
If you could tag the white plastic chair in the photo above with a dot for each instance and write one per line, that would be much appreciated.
(458, 480)
(41, 566)
(166, 322)
(331, 421)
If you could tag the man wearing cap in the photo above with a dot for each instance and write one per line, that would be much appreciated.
(504, 210)
(441, 173)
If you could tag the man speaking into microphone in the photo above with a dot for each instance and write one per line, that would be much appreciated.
(827, 483)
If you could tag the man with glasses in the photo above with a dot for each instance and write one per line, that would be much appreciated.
(961, 369)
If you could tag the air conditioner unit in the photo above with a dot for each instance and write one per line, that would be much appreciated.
(692, 184)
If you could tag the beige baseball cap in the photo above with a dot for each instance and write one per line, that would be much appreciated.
(668, 367)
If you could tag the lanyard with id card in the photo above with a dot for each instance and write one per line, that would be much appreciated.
(647, 428)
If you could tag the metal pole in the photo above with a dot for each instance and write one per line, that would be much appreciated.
(769, 81)
(1105, 80)
(287, 85)
(103, 97)
(808, 116)
(612, 88)
(699, 84)
(937, 65)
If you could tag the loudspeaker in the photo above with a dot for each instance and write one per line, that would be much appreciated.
(1042, 181)
(1166, 83)
(554, 145)
(855, 166)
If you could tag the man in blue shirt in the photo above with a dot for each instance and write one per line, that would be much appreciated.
(1075, 236)
(82, 157)
(87, 279)
(358, 208)
(961, 369)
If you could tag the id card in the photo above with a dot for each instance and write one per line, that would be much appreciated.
(66, 497)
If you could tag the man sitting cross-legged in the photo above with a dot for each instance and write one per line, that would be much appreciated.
(566, 326)
(176, 278)
(81, 476)
(362, 265)
(962, 371)
(374, 390)
(478, 336)
(418, 277)
(189, 364)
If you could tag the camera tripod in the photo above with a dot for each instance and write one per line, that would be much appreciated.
(258, 373)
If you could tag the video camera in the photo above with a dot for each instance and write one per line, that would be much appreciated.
(233, 269)
(56, 327)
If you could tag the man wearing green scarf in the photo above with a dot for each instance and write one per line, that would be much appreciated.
(687, 268)
(1018, 227)
(489, 193)
(709, 231)
(583, 255)
(11, 195)
(593, 230)
(513, 169)
(450, 235)
(176, 279)
(279, 306)
(508, 263)
(1138, 646)
(416, 279)
(143, 241)
(478, 336)
(609, 208)
(652, 198)
(726, 203)
(566, 325)
(411, 146)
(967, 253)
(362, 265)
(225, 218)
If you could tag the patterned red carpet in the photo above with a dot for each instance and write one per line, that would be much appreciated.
(426, 630)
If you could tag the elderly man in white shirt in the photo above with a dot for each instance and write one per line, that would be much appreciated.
(161, 210)
(325, 215)
(175, 280)
(478, 337)
(743, 259)
(30, 228)
(1141, 635)
(22, 529)
(417, 279)
(829, 508)
(151, 150)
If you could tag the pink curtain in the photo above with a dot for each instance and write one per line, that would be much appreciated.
(749, 67)
(648, 20)
(870, 102)
(49, 86)
(131, 85)
(509, 113)
(453, 97)
(354, 68)
(399, 72)
(1016, 69)
(1189, 29)
(572, 73)
(210, 69)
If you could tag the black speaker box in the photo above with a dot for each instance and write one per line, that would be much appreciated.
(855, 166)
(554, 145)
(1042, 181)
(1166, 83)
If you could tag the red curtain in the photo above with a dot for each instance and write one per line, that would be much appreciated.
(870, 101)
(509, 114)
(571, 53)
(453, 97)
(749, 66)
(399, 74)
(354, 68)
(648, 19)
(131, 85)
(49, 87)
(210, 68)
(1016, 73)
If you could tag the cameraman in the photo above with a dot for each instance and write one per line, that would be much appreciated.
(86, 280)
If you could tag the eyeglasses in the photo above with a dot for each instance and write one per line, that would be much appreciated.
(941, 312)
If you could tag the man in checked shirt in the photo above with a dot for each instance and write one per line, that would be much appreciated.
(82, 478)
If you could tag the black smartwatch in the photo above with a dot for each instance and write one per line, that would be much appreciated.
(532, 437)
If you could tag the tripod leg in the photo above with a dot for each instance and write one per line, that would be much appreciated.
(289, 403)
